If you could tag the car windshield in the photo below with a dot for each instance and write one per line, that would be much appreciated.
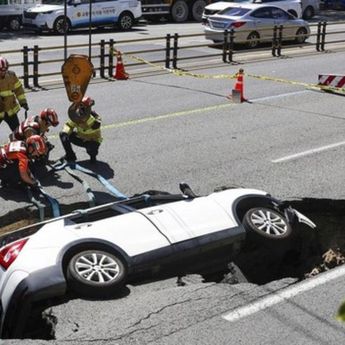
(234, 12)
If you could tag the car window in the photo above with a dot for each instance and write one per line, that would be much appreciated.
(234, 12)
(277, 13)
(262, 13)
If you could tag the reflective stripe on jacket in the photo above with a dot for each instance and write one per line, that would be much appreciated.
(88, 131)
(11, 90)
(15, 150)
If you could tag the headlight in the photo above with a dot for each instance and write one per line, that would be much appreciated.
(42, 13)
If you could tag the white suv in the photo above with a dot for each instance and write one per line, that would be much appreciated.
(50, 15)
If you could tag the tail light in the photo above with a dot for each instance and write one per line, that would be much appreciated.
(237, 24)
(10, 252)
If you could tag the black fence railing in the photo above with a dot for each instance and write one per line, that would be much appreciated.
(170, 54)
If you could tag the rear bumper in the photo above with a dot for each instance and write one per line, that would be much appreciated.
(36, 287)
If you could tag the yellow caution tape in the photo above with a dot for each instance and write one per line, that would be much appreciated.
(182, 73)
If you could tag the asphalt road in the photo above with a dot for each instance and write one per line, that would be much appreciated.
(164, 129)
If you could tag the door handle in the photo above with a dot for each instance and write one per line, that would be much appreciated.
(156, 211)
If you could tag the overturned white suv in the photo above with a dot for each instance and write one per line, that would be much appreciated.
(50, 15)
(94, 252)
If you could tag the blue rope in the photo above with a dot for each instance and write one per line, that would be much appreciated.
(53, 202)
(101, 179)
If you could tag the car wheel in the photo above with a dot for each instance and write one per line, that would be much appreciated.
(263, 222)
(14, 24)
(197, 9)
(301, 35)
(126, 21)
(308, 13)
(179, 11)
(253, 40)
(60, 27)
(96, 273)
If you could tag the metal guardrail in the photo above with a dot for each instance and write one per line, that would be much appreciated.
(170, 54)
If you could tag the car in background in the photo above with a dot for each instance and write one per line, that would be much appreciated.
(299, 8)
(292, 6)
(11, 12)
(96, 251)
(50, 15)
(253, 24)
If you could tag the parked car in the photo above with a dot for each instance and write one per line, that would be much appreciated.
(50, 15)
(299, 8)
(292, 6)
(11, 12)
(96, 251)
(254, 24)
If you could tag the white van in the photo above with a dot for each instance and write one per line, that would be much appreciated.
(50, 15)
(11, 12)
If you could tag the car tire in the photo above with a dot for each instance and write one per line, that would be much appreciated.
(14, 24)
(126, 21)
(198, 7)
(179, 11)
(96, 273)
(266, 223)
(308, 13)
(301, 35)
(253, 40)
(60, 27)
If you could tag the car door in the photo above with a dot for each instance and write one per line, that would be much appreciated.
(105, 11)
(78, 12)
(190, 219)
(263, 22)
(281, 18)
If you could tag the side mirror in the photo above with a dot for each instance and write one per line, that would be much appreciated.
(75, 2)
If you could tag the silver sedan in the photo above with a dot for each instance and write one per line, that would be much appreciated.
(253, 24)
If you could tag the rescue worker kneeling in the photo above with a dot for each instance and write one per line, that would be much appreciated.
(82, 129)
(37, 125)
(14, 161)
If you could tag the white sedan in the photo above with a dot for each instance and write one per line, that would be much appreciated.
(252, 24)
(94, 252)
(292, 6)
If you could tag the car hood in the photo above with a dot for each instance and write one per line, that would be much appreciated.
(45, 8)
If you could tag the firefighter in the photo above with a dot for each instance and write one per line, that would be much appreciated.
(38, 124)
(15, 158)
(82, 129)
(11, 92)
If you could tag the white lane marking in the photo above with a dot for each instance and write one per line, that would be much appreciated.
(284, 295)
(308, 153)
(280, 95)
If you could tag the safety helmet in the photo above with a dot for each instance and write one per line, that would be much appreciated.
(87, 101)
(37, 143)
(3, 64)
(50, 116)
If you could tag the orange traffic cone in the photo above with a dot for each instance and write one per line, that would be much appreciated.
(237, 95)
(120, 73)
